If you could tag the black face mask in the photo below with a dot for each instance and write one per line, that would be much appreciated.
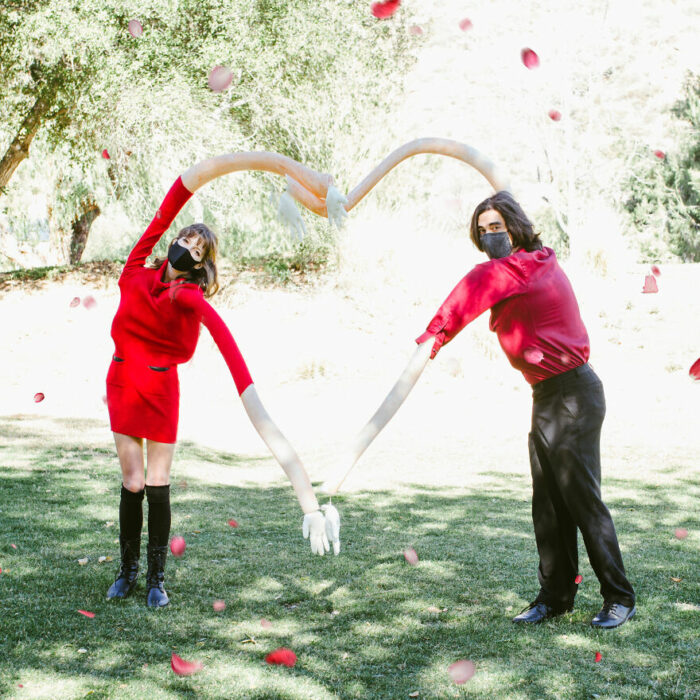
(180, 258)
(496, 245)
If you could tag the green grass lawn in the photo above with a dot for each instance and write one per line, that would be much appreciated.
(364, 624)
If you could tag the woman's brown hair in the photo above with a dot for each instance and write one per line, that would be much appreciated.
(517, 223)
(207, 276)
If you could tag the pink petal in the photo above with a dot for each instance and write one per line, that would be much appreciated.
(598, 657)
(75, 301)
(461, 671)
(533, 356)
(465, 24)
(578, 579)
(529, 58)
(177, 546)
(38, 397)
(650, 286)
(89, 302)
(219, 605)
(554, 115)
(104, 399)
(681, 533)
(384, 10)
(659, 154)
(105, 154)
(694, 371)
(655, 270)
(14, 546)
(265, 623)
(135, 28)
(232, 523)
(219, 78)
(416, 30)
(184, 668)
(282, 657)
(410, 556)
(0, 569)
(86, 613)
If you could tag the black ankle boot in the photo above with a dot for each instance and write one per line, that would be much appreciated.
(128, 571)
(156, 597)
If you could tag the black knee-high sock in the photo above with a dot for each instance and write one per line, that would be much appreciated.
(158, 515)
(131, 514)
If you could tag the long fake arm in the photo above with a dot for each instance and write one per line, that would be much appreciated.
(281, 450)
(382, 416)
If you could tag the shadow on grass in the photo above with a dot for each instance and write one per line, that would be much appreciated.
(364, 624)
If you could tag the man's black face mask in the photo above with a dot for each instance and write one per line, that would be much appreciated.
(496, 245)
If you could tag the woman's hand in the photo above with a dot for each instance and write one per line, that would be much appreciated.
(332, 526)
(314, 529)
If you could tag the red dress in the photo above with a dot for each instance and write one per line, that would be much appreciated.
(156, 328)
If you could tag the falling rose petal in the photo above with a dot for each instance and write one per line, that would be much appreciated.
(104, 399)
(598, 657)
(694, 371)
(659, 154)
(219, 78)
(219, 605)
(184, 668)
(38, 397)
(554, 115)
(177, 546)
(578, 579)
(75, 301)
(0, 569)
(384, 10)
(465, 24)
(416, 30)
(14, 546)
(529, 58)
(533, 356)
(265, 623)
(135, 28)
(681, 533)
(655, 270)
(410, 556)
(89, 302)
(650, 286)
(232, 523)
(87, 613)
(105, 154)
(461, 671)
(282, 657)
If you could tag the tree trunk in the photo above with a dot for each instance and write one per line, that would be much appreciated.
(19, 148)
(81, 228)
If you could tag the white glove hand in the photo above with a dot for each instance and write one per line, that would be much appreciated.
(314, 527)
(289, 215)
(332, 526)
(335, 208)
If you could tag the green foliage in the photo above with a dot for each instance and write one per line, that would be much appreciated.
(663, 196)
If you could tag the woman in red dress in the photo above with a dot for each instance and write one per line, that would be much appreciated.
(156, 328)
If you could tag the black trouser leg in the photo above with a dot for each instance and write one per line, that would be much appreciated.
(158, 534)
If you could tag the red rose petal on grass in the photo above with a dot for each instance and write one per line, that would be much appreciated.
(14, 546)
(232, 523)
(0, 569)
(105, 154)
(416, 30)
(135, 28)
(659, 154)
(461, 671)
(465, 24)
(529, 58)
(177, 546)
(265, 623)
(86, 613)
(75, 301)
(38, 397)
(282, 657)
(655, 270)
(410, 556)
(578, 579)
(89, 302)
(219, 605)
(219, 78)
(598, 657)
(681, 533)
(650, 286)
(184, 668)
(533, 356)
(554, 115)
(384, 10)
(694, 371)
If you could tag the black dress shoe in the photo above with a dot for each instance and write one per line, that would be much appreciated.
(613, 615)
(537, 612)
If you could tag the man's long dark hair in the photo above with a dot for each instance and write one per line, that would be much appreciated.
(517, 223)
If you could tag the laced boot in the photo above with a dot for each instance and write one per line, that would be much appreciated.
(156, 597)
(128, 572)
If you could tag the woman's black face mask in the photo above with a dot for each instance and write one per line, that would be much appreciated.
(496, 245)
(180, 258)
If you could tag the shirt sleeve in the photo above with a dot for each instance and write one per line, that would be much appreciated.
(225, 342)
(174, 201)
(483, 287)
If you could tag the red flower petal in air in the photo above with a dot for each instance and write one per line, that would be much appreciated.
(232, 523)
(0, 569)
(105, 154)
(529, 58)
(681, 533)
(598, 657)
(578, 579)
(219, 78)
(38, 397)
(694, 371)
(265, 623)
(75, 301)
(416, 30)
(533, 356)
(650, 286)
(282, 657)
(384, 10)
(135, 28)
(461, 671)
(659, 154)
(554, 115)
(89, 302)
(219, 605)
(465, 24)
(410, 556)
(86, 613)
(184, 668)
(177, 546)
(655, 270)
